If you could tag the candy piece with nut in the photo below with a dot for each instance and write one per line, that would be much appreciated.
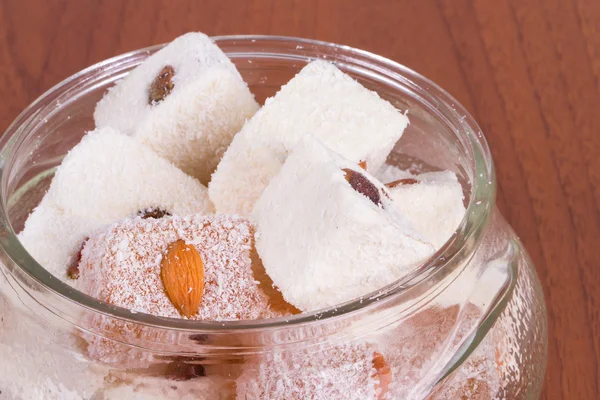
(327, 232)
(348, 371)
(321, 100)
(105, 178)
(186, 102)
(195, 267)
(433, 202)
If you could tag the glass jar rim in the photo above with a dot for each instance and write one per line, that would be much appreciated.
(480, 204)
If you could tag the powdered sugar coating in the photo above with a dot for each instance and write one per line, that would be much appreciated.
(343, 372)
(320, 100)
(122, 266)
(105, 178)
(195, 123)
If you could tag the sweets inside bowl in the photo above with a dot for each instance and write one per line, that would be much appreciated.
(186, 102)
(107, 177)
(130, 265)
(343, 235)
(433, 201)
(190, 202)
(336, 372)
(321, 101)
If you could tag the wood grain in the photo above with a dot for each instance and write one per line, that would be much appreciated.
(528, 70)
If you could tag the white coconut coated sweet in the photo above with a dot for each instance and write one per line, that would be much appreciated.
(195, 123)
(105, 178)
(324, 243)
(434, 205)
(321, 100)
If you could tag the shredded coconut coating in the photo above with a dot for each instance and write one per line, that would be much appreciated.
(320, 100)
(323, 242)
(434, 204)
(341, 372)
(105, 178)
(193, 126)
(122, 266)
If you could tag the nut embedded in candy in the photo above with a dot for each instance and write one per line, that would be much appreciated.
(404, 181)
(154, 212)
(362, 185)
(161, 86)
(73, 269)
(182, 274)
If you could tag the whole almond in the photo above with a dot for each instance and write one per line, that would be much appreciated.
(182, 274)
(161, 86)
(362, 185)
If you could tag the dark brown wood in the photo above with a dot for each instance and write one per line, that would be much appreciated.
(528, 70)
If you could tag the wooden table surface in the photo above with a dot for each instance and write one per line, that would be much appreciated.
(528, 70)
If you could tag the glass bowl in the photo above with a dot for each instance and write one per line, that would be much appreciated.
(468, 323)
